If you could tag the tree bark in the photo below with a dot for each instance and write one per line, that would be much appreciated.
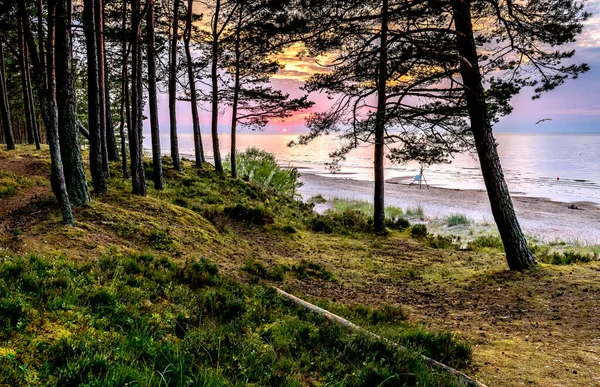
(187, 36)
(70, 144)
(29, 96)
(57, 172)
(4, 108)
(125, 107)
(518, 254)
(214, 127)
(40, 45)
(94, 120)
(138, 177)
(157, 170)
(378, 200)
(99, 32)
(173, 88)
(111, 140)
(236, 99)
(27, 107)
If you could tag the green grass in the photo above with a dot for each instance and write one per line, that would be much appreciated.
(142, 320)
(348, 216)
(10, 184)
(457, 220)
(261, 167)
(415, 212)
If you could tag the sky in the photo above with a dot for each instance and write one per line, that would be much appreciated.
(573, 107)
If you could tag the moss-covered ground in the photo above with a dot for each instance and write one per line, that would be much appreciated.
(135, 276)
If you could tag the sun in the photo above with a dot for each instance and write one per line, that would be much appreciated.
(284, 130)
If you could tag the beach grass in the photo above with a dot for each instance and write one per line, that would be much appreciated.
(457, 220)
(415, 212)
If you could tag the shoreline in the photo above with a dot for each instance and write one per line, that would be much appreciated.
(539, 217)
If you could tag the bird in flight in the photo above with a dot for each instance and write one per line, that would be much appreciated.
(544, 120)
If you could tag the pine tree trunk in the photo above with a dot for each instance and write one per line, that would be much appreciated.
(378, 200)
(518, 255)
(70, 144)
(173, 88)
(215, 89)
(136, 154)
(236, 99)
(187, 36)
(27, 108)
(157, 170)
(40, 43)
(99, 24)
(111, 139)
(125, 107)
(57, 172)
(29, 96)
(94, 124)
(4, 108)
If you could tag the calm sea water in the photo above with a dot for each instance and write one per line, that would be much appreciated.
(558, 166)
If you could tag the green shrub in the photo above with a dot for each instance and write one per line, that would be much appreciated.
(275, 272)
(565, 258)
(418, 231)
(258, 215)
(104, 327)
(439, 242)
(307, 269)
(198, 274)
(486, 241)
(261, 167)
(344, 223)
(398, 223)
(457, 219)
(160, 239)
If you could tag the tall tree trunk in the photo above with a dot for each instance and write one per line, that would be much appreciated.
(138, 177)
(124, 94)
(40, 45)
(4, 108)
(173, 88)
(99, 24)
(27, 108)
(187, 36)
(214, 127)
(236, 99)
(70, 143)
(94, 124)
(29, 96)
(57, 172)
(111, 138)
(157, 170)
(518, 254)
(378, 200)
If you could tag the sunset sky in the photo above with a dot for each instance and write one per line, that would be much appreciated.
(573, 107)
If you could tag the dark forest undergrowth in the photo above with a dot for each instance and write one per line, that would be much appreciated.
(174, 288)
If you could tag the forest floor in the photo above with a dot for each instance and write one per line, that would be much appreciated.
(535, 328)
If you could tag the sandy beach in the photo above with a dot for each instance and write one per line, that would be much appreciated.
(545, 219)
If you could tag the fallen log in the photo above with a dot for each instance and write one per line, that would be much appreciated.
(467, 380)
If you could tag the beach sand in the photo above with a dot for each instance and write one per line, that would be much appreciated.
(539, 217)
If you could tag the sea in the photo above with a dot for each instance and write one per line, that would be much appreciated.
(562, 167)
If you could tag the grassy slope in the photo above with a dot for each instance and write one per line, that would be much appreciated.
(536, 328)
